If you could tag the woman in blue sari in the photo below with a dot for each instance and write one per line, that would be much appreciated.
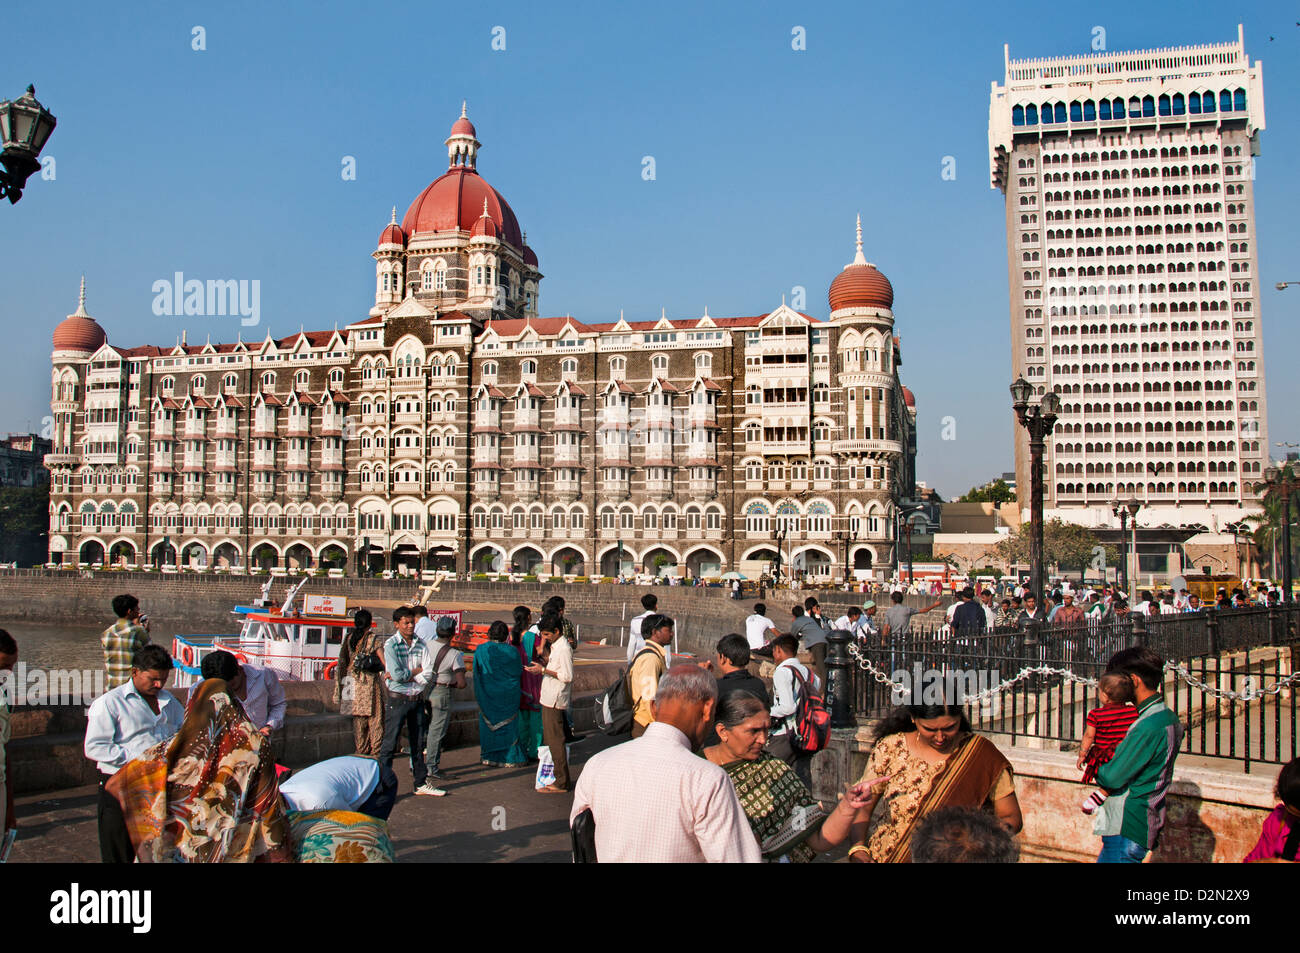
(498, 669)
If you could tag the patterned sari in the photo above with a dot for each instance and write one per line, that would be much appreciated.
(975, 774)
(781, 811)
(207, 795)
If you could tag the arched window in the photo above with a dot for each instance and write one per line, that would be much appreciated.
(660, 364)
(617, 367)
(703, 364)
(569, 367)
(268, 380)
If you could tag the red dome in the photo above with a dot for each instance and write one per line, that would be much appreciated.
(908, 397)
(463, 127)
(392, 236)
(530, 256)
(454, 200)
(78, 332)
(861, 286)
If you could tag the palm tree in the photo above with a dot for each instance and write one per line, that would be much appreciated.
(1267, 533)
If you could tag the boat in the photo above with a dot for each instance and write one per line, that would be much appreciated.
(299, 645)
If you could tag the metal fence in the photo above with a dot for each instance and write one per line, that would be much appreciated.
(1226, 651)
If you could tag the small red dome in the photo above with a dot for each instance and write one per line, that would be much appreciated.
(79, 332)
(392, 236)
(463, 127)
(485, 227)
(861, 286)
(908, 397)
(530, 256)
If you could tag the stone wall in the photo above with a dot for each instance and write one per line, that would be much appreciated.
(201, 604)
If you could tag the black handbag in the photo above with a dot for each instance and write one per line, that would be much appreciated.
(367, 663)
(583, 833)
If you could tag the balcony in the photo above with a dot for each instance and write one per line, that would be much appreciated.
(332, 425)
(569, 417)
(567, 455)
(163, 461)
(658, 455)
(703, 490)
(618, 489)
(527, 418)
(193, 489)
(225, 489)
(568, 490)
(659, 490)
(331, 458)
(195, 429)
(299, 426)
(163, 428)
(407, 453)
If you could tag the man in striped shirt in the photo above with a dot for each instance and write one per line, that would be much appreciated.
(124, 638)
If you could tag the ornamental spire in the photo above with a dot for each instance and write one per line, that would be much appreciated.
(81, 300)
(859, 258)
(393, 220)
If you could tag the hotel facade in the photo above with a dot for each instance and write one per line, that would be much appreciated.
(455, 428)
(1133, 271)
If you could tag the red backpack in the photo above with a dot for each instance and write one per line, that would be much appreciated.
(812, 722)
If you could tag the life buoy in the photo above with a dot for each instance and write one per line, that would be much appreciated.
(329, 670)
(187, 655)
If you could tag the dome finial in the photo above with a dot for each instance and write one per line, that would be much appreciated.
(464, 105)
(485, 210)
(393, 220)
(81, 300)
(858, 259)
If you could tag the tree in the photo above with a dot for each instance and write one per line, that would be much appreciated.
(1064, 545)
(995, 491)
(1268, 533)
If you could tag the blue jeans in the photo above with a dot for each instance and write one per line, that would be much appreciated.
(402, 711)
(1118, 849)
(440, 703)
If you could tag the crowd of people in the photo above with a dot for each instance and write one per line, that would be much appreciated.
(717, 765)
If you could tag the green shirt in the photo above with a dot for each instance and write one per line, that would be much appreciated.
(1138, 776)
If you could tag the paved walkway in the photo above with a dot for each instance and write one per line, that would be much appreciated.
(490, 814)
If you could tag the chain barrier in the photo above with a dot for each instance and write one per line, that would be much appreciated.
(1249, 693)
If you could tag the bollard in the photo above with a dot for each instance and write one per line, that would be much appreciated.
(839, 679)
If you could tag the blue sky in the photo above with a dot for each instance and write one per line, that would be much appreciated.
(226, 162)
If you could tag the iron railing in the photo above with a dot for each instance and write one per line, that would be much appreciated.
(1229, 651)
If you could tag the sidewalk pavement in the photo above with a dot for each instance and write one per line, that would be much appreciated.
(489, 815)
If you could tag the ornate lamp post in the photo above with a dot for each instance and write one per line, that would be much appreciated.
(849, 536)
(1040, 420)
(780, 548)
(1120, 510)
(1282, 483)
(1133, 506)
(25, 127)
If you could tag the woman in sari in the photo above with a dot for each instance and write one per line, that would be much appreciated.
(209, 793)
(498, 670)
(788, 822)
(928, 758)
(357, 691)
(529, 645)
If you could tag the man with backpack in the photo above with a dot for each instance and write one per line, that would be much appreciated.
(790, 685)
(647, 668)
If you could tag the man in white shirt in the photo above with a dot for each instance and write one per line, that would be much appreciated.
(121, 725)
(635, 637)
(424, 628)
(350, 783)
(787, 682)
(259, 690)
(557, 682)
(443, 671)
(759, 629)
(653, 801)
(850, 622)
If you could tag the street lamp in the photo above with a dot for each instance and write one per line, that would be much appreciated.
(1040, 420)
(781, 533)
(1282, 482)
(850, 537)
(1282, 285)
(1132, 506)
(25, 126)
(1120, 510)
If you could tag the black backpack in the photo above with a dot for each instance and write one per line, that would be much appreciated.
(614, 705)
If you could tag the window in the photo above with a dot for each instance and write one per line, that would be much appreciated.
(528, 369)
(660, 364)
(268, 380)
(569, 367)
(703, 364)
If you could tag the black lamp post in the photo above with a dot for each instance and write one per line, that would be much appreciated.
(850, 536)
(1121, 511)
(1282, 482)
(25, 127)
(1040, 420)
(780, 547)
(1132, 506)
